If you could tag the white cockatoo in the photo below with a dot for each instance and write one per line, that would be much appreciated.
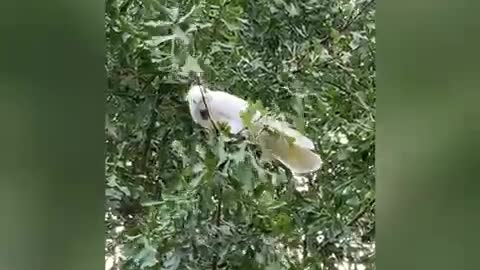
(222, 107)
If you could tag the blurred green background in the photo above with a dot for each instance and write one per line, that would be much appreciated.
(51, 101)
(52, 114)
(427, 135)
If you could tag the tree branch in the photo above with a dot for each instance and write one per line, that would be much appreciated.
(305, 246)
(150, 129)
(208, 110)
(350, 223)
(361, 213)
(353, 18)
(125, 5)
(218, 219)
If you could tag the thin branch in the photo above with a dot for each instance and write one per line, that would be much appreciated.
(125, 6)
(353, 18)
(361, 213)
(159, 185)
(351, 222)
(254, 121)
(137, 96)
(219, 207)
(218, 215)
(150, 128)
(305, 246)
(369, 232)
(218, 219)
(148, 83)
(202, 90)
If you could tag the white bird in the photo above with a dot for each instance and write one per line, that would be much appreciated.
(226, 108)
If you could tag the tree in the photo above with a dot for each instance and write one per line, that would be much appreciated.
(177, 198)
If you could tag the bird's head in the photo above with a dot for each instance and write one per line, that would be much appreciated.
(194, 95)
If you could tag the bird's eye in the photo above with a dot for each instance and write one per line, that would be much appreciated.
(204, 114)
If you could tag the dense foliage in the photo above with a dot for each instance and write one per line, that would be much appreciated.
(179, 198)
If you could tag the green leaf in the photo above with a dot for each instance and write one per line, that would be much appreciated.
(186, 16)
(172, 262)
(112, 180)
(353, 201)
(225, 230)
(335, 35)
(239, 156)
(276, 205)
(293, 10)
(343, 155)
(125, 190)
(220, 150)
(259, 258)
(282, 223)
(248, 115)
(245, 176)
(152, 203)
(158, 23)
(191, 64)
(224, 128)
(274, 266)
(146, 257)
(197, 180)
(197, 26)
(178, 33)
(172, 12)
(297, 105)
(114, 194)
(157, 40)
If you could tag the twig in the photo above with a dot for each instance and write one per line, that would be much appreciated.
(305, 246)
(139, 94)
(148, 83)
(219, 207)
(353, 18)
(206, 106)
(150, 128)
(349, 22)
(245, 127)
(351, 222)
(218, 219)
(159, 185)
(125, 6)
(369, 232)
(135, 98)
(361, 213)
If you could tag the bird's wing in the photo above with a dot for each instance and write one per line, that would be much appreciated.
(283, 128)
(225, 107)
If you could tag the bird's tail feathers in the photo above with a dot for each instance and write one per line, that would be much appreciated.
(298, 159)
(285, 129)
